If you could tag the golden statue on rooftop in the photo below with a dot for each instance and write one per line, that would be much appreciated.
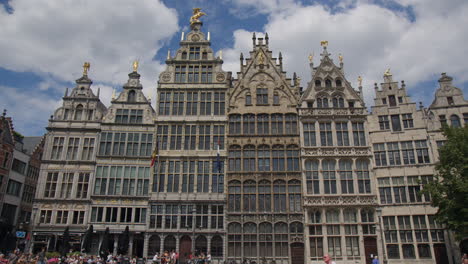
(86, 66)
(311, 57)
(340, 57)
(387, 72)
(197, 13)
(359, 78)
(324, 43)
(135, 65)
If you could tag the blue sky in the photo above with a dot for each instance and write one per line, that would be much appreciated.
(45, 42)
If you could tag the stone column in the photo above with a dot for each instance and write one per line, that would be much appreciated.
(130, 245)
(161, 249)
(145, 245)
(177, 239)
(116, 244)
(208, 243)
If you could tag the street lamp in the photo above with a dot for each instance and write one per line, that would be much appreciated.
(379, 215)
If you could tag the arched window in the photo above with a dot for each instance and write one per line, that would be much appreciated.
(455, 121)
(294, 193)
(362, 173)
(338, 102)
(250, 196)
(329, 177)
(235, 124)
(131, 96)
(216, 246)
(291, 124)
(278, 158)
(281, 239)
(265, 239)
(78, 112)
(322, 102)
(350, 216)
(249, 124)
(318, 83)
(312, 176)
(338, 83)
(263, 124)
(277, 124)
(250, 239)
(264, 158)
(333, 216)
(264, 196)
(235, 158)
(248, 99)
(346, 176)
(292, 154)
(234, 240)
(154, 245)
(234, 196)
(279, 192)
(328, 83)
(201, 244)
(169, 243)
(296, 228)
(249, 158)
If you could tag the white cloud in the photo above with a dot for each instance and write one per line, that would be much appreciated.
(25, 121)
(371, 39)
(56, 37)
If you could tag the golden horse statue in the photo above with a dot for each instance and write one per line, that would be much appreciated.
(197, 13)
(324, 43)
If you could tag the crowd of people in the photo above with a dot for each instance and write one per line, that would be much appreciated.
(173, 258)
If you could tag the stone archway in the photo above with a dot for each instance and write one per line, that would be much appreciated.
(185, 248)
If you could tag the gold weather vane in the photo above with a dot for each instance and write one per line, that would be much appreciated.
(359, 78)
(311, 57)
(86, 66)
(324, 43)
(387, 72)
(197, 13)
(135, 65)
(340, 57)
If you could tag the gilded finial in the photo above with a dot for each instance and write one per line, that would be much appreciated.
(340, 57)
(135, 66)
(324, 43)
(113, 94)
(387, 72)
(311, 57)
(359, 78)
(86, 66)
(197, 13)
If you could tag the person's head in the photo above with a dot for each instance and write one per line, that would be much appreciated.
(376, 257)
(326, 258)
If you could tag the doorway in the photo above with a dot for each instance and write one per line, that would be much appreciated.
(440, 252)
(185, 248)
(370, 248)
(297, 253)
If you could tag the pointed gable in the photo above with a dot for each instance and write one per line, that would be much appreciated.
(329, 87)
(262, 81)
(81, 105)
(131, 106)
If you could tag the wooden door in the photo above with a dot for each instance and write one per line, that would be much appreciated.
(184, 249)
(370, 248)
(297, 253)
(440, 252)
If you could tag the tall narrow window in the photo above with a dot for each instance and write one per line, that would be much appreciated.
(379, 154)
(204, 134)
(312, 176)
(407, 120)
(263, 124)
(72, 148)
(131, 96)
(264, 158)
(262, 96)
(78, 112)
(328, 83)
(248, 99)
(277, 124)
(88, 149)
(205, 103)
(178, 103)
(234, 156)
(384, 123)
(203, 176)
(180, 73)
(291, 124)
(392, 100)
(292, 154)
(279, 191)
(422, 151)
(342, 133)
(249, 158)
(57, 148)
(234, 196)
(192, 103)
(194, 53)
(278, 158)
(234, 124)
(346, 176)
(294, 195)
(455, 120)
(362, 173)
(276, 99)
(396, 125)
(309, 134)
(219, 104)
(250, 197)
(264, 196)
(329, 177)
(326, 134)
(164, 103)
(359, 136)
(249, 124)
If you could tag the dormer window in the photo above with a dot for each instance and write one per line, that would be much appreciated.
(184, 55)
(131, 96)
(194, 53)
(450, 100)
(338, 83)
(318, 83)
(328, 83)
(262, 96)
(78, 112)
